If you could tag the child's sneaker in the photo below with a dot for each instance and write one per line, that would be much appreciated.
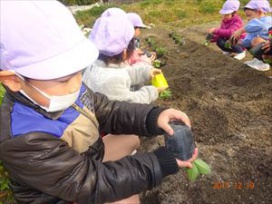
(240, 56)
(258, 65)
(251, 62)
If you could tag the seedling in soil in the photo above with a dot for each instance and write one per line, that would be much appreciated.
(173, 35)
(227, 44)
(208, 39)
(181, 143)
(166, 94)
(160, 51)
(177, 39)
(150, 41)
(156, 63)
(199, 167)
(206, 43)
(180, 41)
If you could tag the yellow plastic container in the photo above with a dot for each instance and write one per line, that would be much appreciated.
(159, 81)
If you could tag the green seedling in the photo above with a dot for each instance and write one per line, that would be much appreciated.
(192, 173)
(199, 167)
(175, 37)
(156, 63)
(177, 41)
(150, 41)
(166, 94)
(227, 45)
(206, 43)
(208, 39)
(160, 51)
(203, 167)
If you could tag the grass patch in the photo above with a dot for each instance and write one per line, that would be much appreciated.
(168, 14)
(88, 17)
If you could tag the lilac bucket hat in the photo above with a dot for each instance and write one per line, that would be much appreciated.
(136, 20)
(229, 7)
(41, 40)
(262, 5)
(112, 34)
(107, 13)
(114, 11)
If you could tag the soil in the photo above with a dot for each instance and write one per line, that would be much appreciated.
(230, 107)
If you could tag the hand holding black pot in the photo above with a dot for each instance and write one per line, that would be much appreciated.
(181, 143)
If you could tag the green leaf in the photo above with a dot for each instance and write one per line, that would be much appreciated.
(192, 173)
(165, 94)
(157, 63)
(202, 166)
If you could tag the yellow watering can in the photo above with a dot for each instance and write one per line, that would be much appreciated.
(159, 81)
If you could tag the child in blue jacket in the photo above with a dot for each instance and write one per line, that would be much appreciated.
(50, 121)
(256, 30)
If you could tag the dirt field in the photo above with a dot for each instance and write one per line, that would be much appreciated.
(230, 106)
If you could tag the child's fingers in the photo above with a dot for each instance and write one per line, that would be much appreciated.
(188, 163)
(183, 164)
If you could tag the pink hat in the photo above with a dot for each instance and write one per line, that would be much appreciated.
(230, 6)
(261, 5)
(112, 34)
(113, 12)
(41, 40)
(136, 20)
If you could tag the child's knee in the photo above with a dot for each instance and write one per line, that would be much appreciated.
(256, 41)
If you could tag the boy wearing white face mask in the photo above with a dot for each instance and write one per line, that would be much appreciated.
(50, 121)
(56, 103)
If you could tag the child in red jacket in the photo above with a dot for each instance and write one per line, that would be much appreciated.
(231, 22)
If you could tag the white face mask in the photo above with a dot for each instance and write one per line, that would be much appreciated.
(57, 103)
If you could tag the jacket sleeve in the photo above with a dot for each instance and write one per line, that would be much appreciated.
(118, 88)
(254, 26)
(49, 165)
(227, 32)
(120, 117)
(139, 73)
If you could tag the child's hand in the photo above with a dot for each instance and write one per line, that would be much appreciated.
(153, 56)
(233, 40)
(236, 35)
(267, 46)
(139, 51)
(161, 89)
(169, 115)
(211, 30)
(188, 163)
(154, 71)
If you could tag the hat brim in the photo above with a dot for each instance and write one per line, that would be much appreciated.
(69, 62)
(224, 12)
(248, 7)
(141, 26)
